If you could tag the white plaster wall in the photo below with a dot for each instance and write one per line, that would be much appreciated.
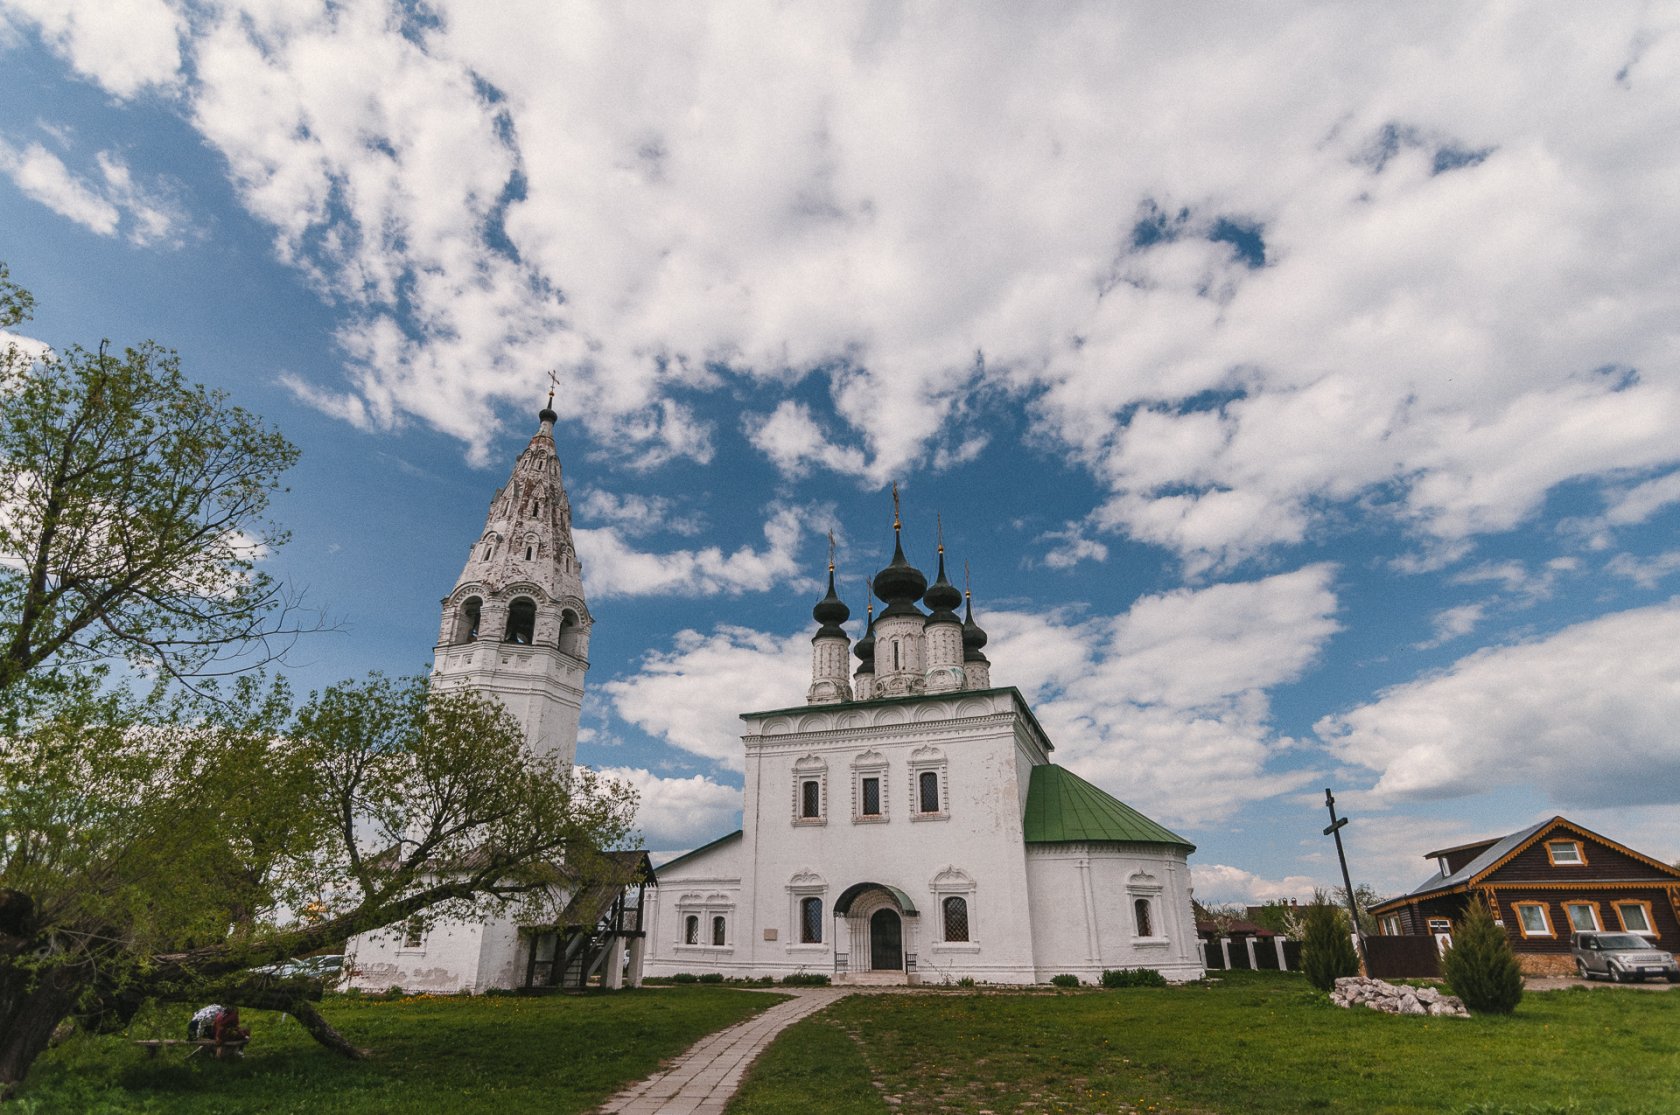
(1082, 906)
(705, 884)
(447, 961)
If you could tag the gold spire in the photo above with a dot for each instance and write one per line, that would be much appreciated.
(831, 551)
(897, 522)
(939, 531)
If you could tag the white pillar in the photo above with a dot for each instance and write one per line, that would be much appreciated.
(613, 978)
(638, 951)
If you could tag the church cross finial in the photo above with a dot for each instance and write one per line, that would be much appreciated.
(831, 551)
(897, 522)
(553, 382)
(968, 590)
(939, 530)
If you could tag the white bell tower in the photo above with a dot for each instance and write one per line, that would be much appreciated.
(516, 625)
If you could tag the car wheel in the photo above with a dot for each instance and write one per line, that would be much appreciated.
(1616, 974)
(1581, 969)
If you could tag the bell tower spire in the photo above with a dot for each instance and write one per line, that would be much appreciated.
(516, 625)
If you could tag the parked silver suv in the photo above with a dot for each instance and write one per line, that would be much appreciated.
(1621, 957)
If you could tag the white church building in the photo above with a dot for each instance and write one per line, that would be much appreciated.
(907, 825)
(516, 626)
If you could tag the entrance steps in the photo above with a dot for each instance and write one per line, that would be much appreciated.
(872, 979)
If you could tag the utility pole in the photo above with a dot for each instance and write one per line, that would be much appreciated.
(1335, 829)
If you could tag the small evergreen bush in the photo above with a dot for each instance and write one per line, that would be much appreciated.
(1133, 977)
(806, 979)
(966, 981)
(1480, 967)
(1066, 979)
(1326, 949)
(711, 977)
(685, 977)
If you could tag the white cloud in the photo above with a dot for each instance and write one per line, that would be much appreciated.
(43, 176)
(1218, 883)
(124, 45)
(148, 214)
(1645, 572)
(1454, 623)
(1584, 716)
(680, 812)
(615, 569)
(1640, 502)
(693, 695)
(1466, 298)
(634, 515)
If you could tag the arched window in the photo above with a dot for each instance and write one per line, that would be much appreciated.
(530, 551)
(928, 783)
(810, 921)
(466, 628)
(956, 918)
(691, 930)
(1141, 908)
(717, 930)
(521, 621)
(810, 798)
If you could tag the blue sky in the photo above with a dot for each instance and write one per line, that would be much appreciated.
(1301, 390)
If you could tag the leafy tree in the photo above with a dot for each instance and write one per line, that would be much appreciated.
(1327, 951)
(1480, 967)
(134, 511)
(1364, 897)
(1279, 917)
(1222, 915)
(153, 847)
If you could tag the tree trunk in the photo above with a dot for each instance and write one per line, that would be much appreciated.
(31, 1007)
(322, 1031)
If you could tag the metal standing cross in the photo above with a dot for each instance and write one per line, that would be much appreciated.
(1335, 829)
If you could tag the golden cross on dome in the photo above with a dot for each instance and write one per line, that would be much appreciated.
(897, 522)
(831, 551)
(939, 530)
(553, 382)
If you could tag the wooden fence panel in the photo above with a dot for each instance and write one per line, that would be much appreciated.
(1412, 957)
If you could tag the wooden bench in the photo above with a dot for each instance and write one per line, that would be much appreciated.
(152, 1045)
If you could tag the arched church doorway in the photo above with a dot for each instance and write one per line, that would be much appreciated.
(886, 941)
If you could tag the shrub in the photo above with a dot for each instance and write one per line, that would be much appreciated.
(1066, 979)
(1326, 951)
(1133, 977)
(966, 981)
(806, 979)
(685, 977)
(1480, 967)
(711, 977)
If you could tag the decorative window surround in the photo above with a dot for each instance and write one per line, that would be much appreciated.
(1565, 853)
(871, 765)
(1634, 914)
(930, 760)
(1147, 889)
(1583, 916)
(807, 884)
(954, 882)
(1534, 919)
(807, 770)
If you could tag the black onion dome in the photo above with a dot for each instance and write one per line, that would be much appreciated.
(547, 415)
(942, 596)
(973, 637)
(864, 648)
(900, 584)
(831, 612)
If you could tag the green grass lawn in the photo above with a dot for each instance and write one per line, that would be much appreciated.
(1252, 1042)
(502, 1054)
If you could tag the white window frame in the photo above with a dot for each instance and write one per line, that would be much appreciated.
(1575, 849)
(870, 764)
(808, 884)
(810, 769)
(930, 760)
(1391, 925)
(1591, 908)
(954, 882)
(1620, 905)
(1545, 930)
(1145, 887)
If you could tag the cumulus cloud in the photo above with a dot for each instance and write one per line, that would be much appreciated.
(617, 569)
(1436, 289)
(680, 813)
(115, 203)
(1219, 883)
(692, 696)
(1584, 716)
(634, 515)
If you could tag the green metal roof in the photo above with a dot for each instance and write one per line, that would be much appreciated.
(1064, 808)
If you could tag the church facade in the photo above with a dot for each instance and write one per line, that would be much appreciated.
(515, 626)
(907, 824)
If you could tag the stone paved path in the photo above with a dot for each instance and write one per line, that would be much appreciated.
(705, 1076)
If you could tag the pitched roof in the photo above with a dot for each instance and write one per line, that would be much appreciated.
(1063, 808)
(1497, 853)
(692, 852)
